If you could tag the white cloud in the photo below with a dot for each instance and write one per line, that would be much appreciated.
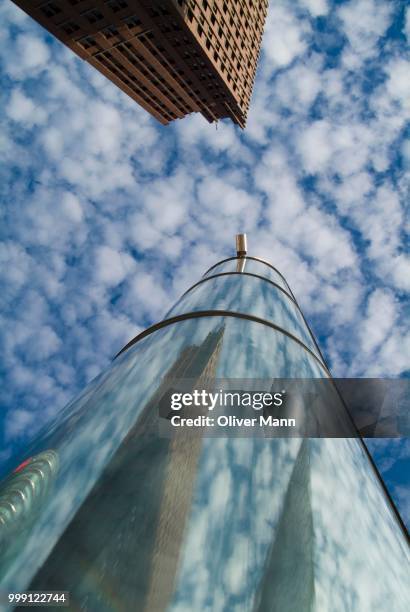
(339, 148)
(298, 87)
(72, 207)
(380, 318)
(380, 221)
(111, 266)
(15, 264)
(220, 197)
(31, 56)
(400, 270)
(17, 426)
(364, 22)
(146, 293)
(195, 131)
(42, 344)
(23, 109)
(285, 36)
(316, 7)
(398, 84)
(315, 146)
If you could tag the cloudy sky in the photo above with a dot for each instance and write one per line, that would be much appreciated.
(107, 216)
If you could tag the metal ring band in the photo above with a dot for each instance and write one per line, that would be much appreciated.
(219, 313)
(254, 259)
(291, 297)
(285, 281)
(267, 280)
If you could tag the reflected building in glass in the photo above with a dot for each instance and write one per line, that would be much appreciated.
(141, 521)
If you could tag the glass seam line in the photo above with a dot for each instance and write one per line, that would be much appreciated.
(290, 296)
(254, 259)
(219, 313)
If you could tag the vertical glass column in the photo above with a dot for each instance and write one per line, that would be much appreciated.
(131, 520)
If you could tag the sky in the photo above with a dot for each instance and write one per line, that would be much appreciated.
(107, 216)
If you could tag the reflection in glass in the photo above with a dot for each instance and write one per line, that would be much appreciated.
(141, 522)
(22, 496)
(250, 295)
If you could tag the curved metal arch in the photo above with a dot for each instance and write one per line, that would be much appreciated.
(254, 259)
(267, 280)
(220, 313)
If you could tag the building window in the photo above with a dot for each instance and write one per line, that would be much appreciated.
(110, 32)
(117, 5)
(50, 9)
(87, 42)
(93, 16)
(132, 22)
(70, 27)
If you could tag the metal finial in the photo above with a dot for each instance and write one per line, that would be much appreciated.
(241, 245)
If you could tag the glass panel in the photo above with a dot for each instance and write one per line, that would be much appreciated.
(249, 265)
(249, 295)
(126, 520)
(89, 430)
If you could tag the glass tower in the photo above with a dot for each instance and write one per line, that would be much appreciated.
(134, 520)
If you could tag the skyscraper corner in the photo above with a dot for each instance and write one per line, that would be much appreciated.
(173, 57)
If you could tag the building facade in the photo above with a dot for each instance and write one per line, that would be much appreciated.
(139, 520)
(173, 57)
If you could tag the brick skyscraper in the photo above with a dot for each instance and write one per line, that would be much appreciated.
(173, 57)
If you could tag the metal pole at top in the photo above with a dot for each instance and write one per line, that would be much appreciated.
(241, 245)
